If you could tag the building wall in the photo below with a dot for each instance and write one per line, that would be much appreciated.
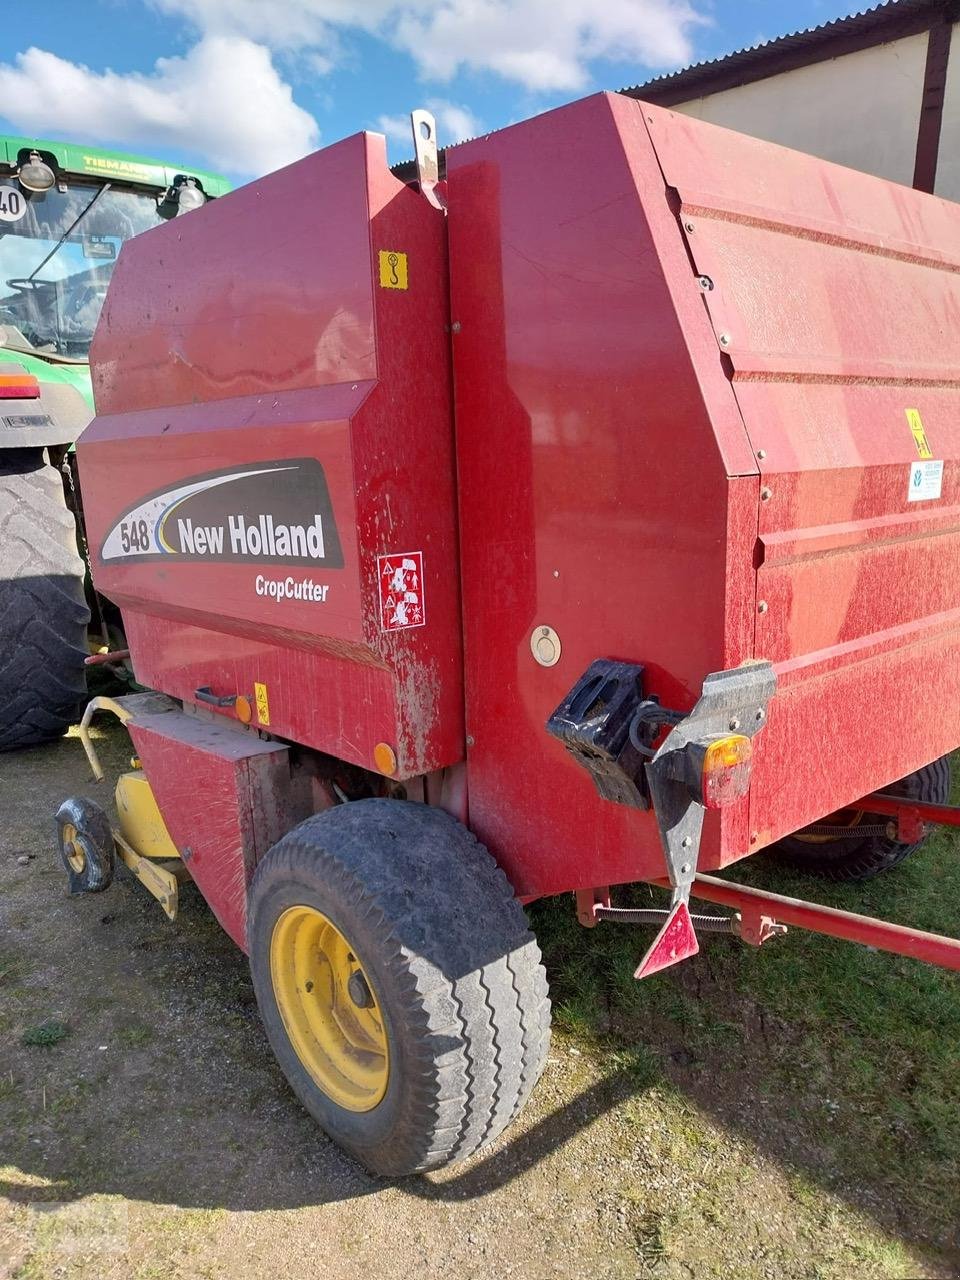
(861, 110)
(948, 159)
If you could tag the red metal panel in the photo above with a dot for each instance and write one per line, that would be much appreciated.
(213, 785)
(593, 482)
(835, 298)
(296, 351)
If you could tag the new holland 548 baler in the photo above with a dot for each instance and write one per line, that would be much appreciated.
(599, 505)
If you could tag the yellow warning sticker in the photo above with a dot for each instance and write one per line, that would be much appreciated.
(919, 435)
(393, 269)
(263, 702)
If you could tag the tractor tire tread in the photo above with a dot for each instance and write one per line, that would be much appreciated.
(476, 1008)
(43, 610)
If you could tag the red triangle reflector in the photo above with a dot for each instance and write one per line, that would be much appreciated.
(676, 941)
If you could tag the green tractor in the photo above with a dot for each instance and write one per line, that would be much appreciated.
(65, 212)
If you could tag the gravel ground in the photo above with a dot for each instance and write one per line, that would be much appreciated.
(156, 1137)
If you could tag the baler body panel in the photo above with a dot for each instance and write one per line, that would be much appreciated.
(699, 356)
(688, 369)
(322, 387)
(586, 358)
(839, 297)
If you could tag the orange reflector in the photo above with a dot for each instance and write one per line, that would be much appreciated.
(385, 758)
(726, 770)
(243, 709)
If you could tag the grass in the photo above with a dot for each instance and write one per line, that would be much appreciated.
(842, 1062)
(46, 1034)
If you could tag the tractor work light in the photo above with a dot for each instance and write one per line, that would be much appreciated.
(181, 196)
(36, 174)
(724, 770)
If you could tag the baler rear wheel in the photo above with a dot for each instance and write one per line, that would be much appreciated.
(860, 857)
(400, 987)
(43, 611)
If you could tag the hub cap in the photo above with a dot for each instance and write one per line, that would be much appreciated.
(316, 981)
(72, 848)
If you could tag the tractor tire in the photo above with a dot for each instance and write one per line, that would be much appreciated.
(400, 987)
(43, 612)
(86, 847)
(863, 857)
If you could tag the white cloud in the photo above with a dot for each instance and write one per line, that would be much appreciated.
(454, 124)
(223, 100)
(546, 44)
(543, 45)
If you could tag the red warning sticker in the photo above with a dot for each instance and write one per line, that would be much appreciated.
(401, 591)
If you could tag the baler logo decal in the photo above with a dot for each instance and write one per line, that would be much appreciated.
(266, 513)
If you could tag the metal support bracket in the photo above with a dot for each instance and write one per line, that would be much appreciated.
(427, 159)
(731, 702)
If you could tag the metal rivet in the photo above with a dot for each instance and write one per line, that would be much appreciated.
(556, 573)
(705, 283)
(685, 869)
(686, 842)
(762, 606)
(470, 740)
(760, 714)
(766, 494)
(754, 837)
(724, 339)
(688, 226)
(455, 327)
(761, 454)
(734, 723)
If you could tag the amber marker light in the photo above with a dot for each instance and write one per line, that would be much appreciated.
(725, 773)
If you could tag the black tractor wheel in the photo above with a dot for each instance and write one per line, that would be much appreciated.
(43, 612)
(863, 853)
(401, 989)
(86, 845)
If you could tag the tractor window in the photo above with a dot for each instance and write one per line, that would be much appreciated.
(51, 293)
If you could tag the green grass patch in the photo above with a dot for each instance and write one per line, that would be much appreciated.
(841, 1062)
(46, 1034)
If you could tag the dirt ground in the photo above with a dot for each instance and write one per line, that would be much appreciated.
(157, 1138)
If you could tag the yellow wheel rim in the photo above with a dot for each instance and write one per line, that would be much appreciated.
(72, 848)
(329, 1009)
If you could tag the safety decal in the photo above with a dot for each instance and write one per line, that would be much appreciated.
(12, 204)
(919, 435)
(275, 512)
(401, 591)
(263, 702)
(926, 479)
(393, 269)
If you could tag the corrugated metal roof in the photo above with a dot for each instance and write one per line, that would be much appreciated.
(888, 20)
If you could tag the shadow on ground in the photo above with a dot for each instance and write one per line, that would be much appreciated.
(843, 1069)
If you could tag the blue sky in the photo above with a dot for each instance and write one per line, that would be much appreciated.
(243, 86)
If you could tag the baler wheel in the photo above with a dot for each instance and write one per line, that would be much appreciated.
(401, 989)
(43, 612)
(86, 846)
(863, 855)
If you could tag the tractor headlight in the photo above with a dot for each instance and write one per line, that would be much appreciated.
(35, 174)
(181, 196)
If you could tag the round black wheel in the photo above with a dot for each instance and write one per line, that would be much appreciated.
(401, 989)
(86, 845)
(860, 856)
(43, 611)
